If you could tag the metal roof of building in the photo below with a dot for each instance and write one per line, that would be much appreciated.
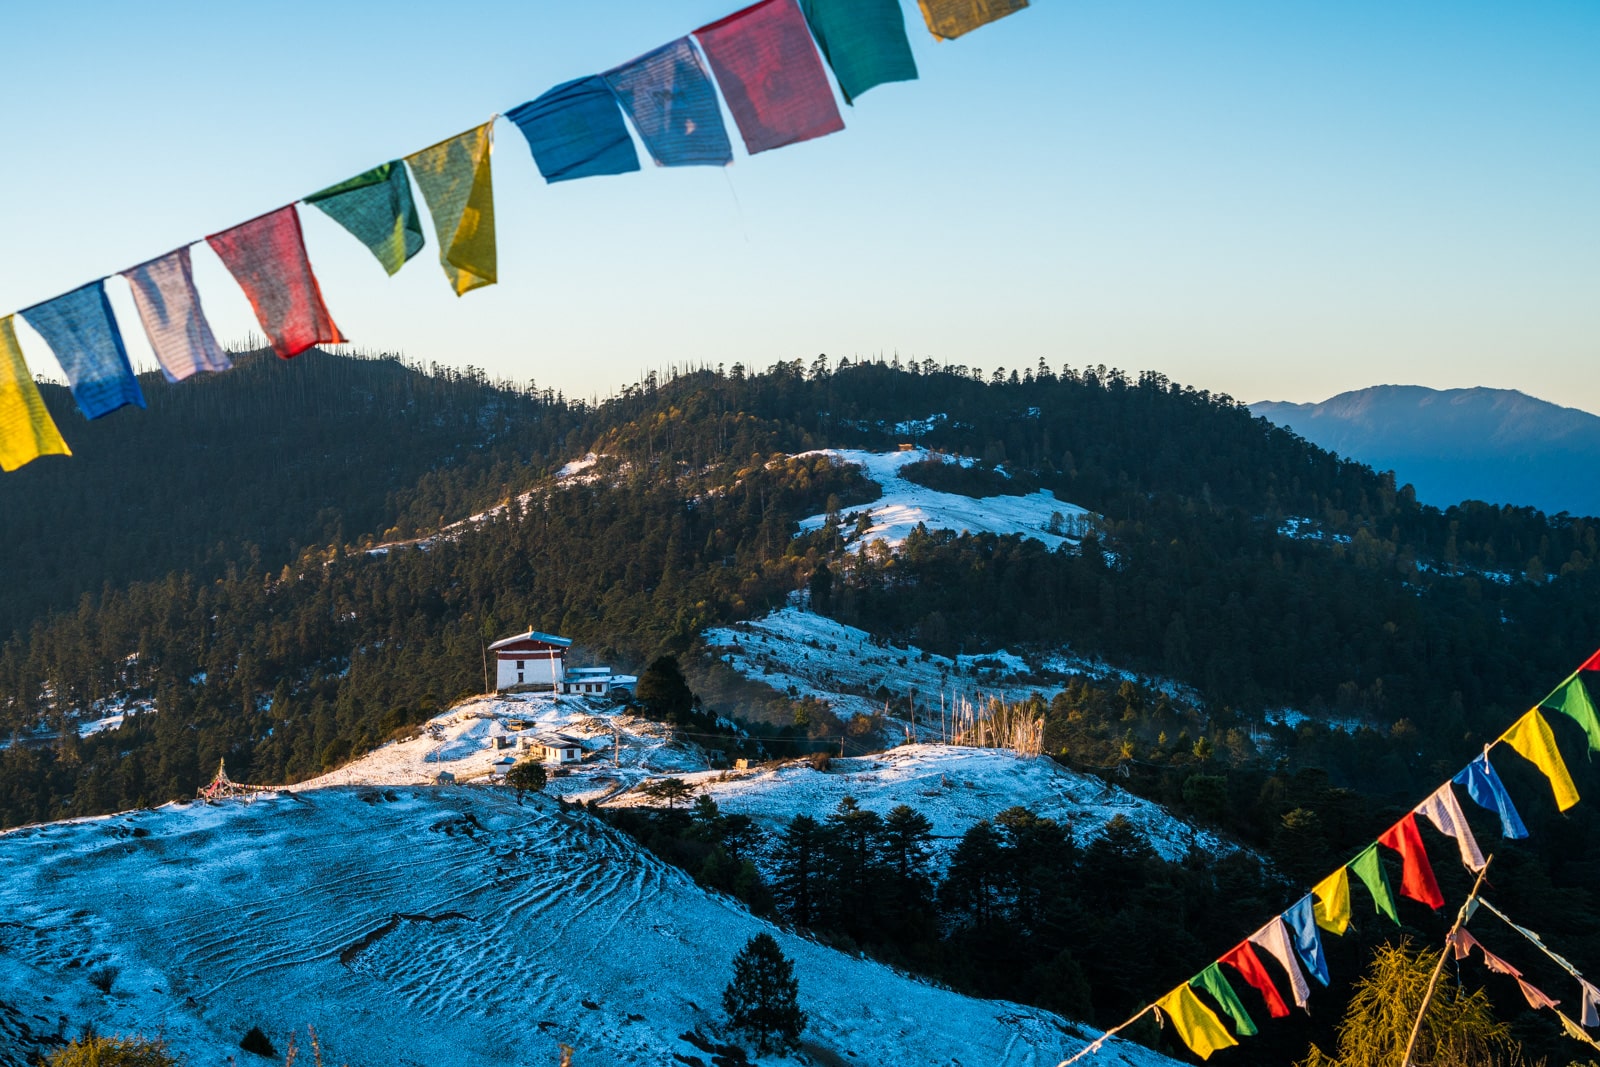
(533, 635)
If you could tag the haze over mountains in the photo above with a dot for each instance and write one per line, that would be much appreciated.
(1496, 445)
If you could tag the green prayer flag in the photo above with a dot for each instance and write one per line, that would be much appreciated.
(864, 41)
(1369, 868)
(1572, 700)
(1214, 982)
(377, 208)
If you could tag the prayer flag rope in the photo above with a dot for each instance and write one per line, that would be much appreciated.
(1292, 938)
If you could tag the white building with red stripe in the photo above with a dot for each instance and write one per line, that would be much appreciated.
(531, 658)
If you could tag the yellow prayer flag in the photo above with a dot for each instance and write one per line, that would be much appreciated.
(1196, 1024)
(457, 182)
(949, 19)
(1332, 907)
(1533, 741)
(26, 429)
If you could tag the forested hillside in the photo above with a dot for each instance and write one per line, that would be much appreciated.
(287, 655)
(249, 467)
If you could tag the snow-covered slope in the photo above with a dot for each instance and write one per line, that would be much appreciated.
(799, 651)
(953, 786)
(904, 504)
(429, 926)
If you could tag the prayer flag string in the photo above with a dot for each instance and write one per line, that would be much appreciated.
(765, 58)
(1292, 938)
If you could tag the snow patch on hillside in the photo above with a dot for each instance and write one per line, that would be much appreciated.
(113, 712)
(904, 504)
(803, 653)
(461, 743)
(434, 926)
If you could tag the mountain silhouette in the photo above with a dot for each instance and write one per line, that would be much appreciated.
(1495, 445)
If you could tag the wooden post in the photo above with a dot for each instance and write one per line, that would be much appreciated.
(1461, 918)
(486, 689)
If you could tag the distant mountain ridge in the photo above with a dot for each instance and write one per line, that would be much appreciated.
(1496, 445)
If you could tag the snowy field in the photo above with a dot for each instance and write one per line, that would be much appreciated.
(425, 927)
(953, 786)
(904, 504)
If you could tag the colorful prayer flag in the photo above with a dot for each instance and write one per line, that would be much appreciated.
(1302, 923)
(1368, 866)
(1274, 937)
(864, 41)
(1444, 811)
(1332, 909)
(673, 105)
(377, 208)
(458, 184)
(949, 19)
(1242, 958)
(82, 332)
(1461, 942)
(1533, 741)
(26, 429)
(770, 75)
(1592, 663)
(1487, 791)
(267, 257)
(1212, 981)
(1591, 1003)
(1197, 1025)
(169, 307)
(1536, 998)
(1416, 877)
(576, 131)
(1572, 700)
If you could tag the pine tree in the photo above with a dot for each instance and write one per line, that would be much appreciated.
(799, 876)
(762, 1001)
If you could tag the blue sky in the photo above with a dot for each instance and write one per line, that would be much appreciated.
(1278, 201)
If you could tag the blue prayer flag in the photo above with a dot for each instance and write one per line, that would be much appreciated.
(80, 330)
(1302, 923)
(1485, 787)
(576, 131)
(669, 96)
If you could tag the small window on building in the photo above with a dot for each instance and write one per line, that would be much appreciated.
(519, 664)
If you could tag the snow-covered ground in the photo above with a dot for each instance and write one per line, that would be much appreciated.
(951, 785)
(428, 926)
(904, 504)
(954, 786)
(800, 652)
(461, 744)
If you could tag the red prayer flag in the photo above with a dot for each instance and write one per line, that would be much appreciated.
(1242, 958)
(770, 75)
(1592, 663)
(1416, 879)
(267, 257)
